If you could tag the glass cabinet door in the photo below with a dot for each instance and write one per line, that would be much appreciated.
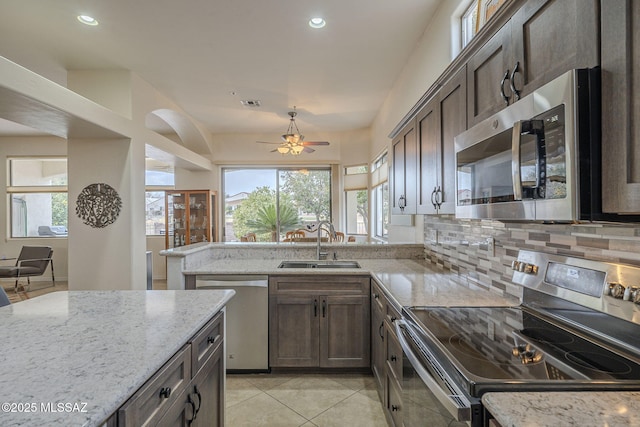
(176, 224)
(188, 218)
(199, 217)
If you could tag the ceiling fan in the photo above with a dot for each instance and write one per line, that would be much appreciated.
(293, 141)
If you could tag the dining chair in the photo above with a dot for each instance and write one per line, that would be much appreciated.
(339, 237)
(32, 261)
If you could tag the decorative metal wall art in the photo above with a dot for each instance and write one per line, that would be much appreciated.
(98, 205)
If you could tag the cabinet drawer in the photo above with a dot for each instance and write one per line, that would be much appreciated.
(319, 284)
(394, 354)
(150, 402)
(394, 402)
(206, 341)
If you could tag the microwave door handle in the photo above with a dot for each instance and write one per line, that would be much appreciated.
(515, 161)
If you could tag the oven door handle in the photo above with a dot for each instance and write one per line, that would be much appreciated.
(515, 161)
(462, 410)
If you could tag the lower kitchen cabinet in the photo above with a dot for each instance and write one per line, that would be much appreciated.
(387, 355)
(319, 321)
(187, 391)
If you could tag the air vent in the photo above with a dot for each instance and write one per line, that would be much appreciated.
(251, 103)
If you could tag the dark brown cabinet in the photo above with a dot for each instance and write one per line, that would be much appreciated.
(188, 217)
(404, 172)
(620, 106)
(542, 40)
(438, 123)
(387, 354)
(319, 321)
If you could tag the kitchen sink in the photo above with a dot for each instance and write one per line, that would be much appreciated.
(319, 264)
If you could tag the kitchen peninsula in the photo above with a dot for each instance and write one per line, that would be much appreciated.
(74, 358)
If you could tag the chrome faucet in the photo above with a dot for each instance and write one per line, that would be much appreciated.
(332, 234)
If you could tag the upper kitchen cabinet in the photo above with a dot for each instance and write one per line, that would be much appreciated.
(620, 106)
(404, 171)
(542, 40)
(188, 217)
(439, 121)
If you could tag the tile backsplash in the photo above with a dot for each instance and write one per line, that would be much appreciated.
(482, 250)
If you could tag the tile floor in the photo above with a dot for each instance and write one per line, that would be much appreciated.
(281, 400)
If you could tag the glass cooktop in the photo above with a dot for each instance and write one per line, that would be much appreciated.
(510, 344)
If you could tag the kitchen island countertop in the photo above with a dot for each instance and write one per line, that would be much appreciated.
(73, 358)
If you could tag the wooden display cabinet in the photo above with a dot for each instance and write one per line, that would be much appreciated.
(188, 216)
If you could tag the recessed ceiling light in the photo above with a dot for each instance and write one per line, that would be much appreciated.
(88, 20)
(317, 23)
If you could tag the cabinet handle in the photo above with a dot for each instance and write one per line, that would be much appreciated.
(193, 410)
(439, 197)
(512, 81)
(395, 408)
(393, 358)
(504, 96)
(380, 330)
(315, 308)
(433, 198)
(324, 308)
(165, 392)
(376, 296)
(211, 340)
(197, 392)
(402, 202)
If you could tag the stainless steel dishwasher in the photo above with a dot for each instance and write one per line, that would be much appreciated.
(247, 336)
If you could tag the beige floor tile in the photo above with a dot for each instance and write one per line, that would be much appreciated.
(262, 410)
(239, 390)
(355, 381)
(268, 381)
(357, 410)
(371, 394)
(310, 395)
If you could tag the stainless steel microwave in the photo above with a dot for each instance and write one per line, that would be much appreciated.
(533, 159)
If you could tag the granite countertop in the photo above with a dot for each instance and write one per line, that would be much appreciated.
(91, 350)
(551, 409)
(407, 282)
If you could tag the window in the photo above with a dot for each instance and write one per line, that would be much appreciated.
(356, 199)
(37, 195)
(270, 202)
(469, 22)
(158, 179)
(380, 197)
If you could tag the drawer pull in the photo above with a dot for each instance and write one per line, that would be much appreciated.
(394, 358)
(211, 340)
(165, 392)
(395, 408)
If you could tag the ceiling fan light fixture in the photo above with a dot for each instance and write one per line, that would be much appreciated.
(283, 149)
(292, 138)
(297, 149)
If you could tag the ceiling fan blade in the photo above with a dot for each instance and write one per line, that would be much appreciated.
(315, 143)
(267, 142)
(308, 150)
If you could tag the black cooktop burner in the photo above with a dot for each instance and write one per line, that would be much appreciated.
(547, 336)
(601, 363)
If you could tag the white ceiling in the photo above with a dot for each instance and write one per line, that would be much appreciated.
(197, 52)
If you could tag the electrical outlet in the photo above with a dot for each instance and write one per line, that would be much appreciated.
(432, 236)
(491, 246)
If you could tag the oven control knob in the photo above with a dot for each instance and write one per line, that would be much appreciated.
(515, 265)
(628, 292)
(530, 269)
(530, 356)
(617, 291)
(520, 349)
(635, 295)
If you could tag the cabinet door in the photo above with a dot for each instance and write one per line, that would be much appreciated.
(453, 121)
(344, 331)
(621, 106)
(377, 339)
(208, 391)
(551, 37)
(176, 216)
(486, 70)
(428, 125)
(294, 331)
(404, 173)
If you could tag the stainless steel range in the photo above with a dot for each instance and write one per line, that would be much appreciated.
(578, 328)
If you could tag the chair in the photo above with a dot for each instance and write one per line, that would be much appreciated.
(249, 237)
(339, 237)
(4, 298)
(32, 261)
(293, 235)
(351, 239)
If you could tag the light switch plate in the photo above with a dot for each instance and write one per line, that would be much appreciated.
(491, 246)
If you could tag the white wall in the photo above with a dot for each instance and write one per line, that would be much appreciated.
(432, 55)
